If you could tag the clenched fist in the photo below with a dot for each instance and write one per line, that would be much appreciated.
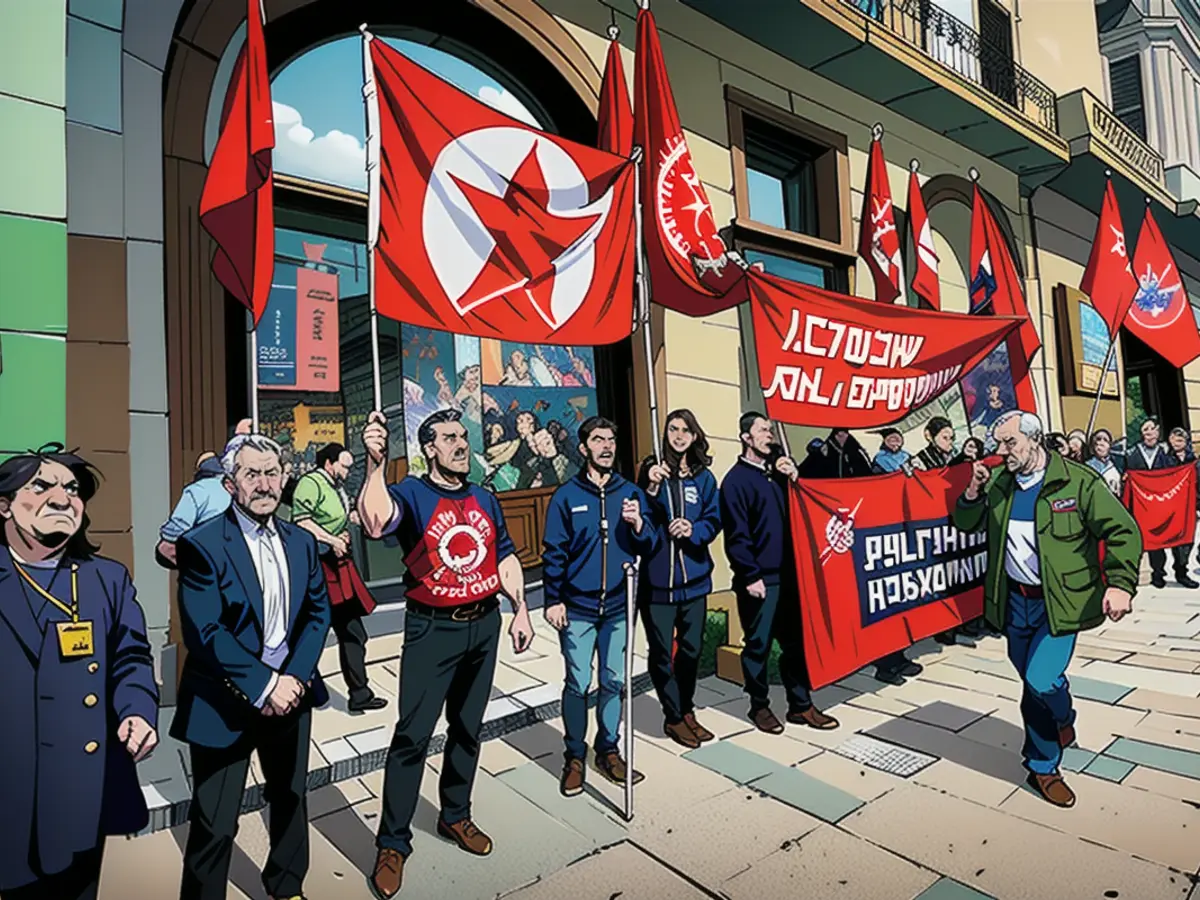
(979, 477)
(631, 512)
(375, 437)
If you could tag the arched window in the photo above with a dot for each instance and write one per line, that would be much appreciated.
(521, 404)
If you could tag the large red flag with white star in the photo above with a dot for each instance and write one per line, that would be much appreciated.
(492, 228)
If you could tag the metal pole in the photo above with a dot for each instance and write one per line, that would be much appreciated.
(1112, 349)
(254, 379)
(627, 708)
(783, 439)
(371, 102)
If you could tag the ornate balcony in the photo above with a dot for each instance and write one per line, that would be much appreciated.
(960, 48)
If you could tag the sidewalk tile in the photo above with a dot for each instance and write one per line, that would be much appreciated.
(538, 696)
(510, 679)
(1100, 691)
(497, 757)
(1001, 668)
(584, 814)
(808, 794)
(985, 683)
(1176, 787)
(500, 707)
(945, 715)
(847, 775)
(981, 755)
(370, 741)
(1143, 698)
(958, 780)
(922, 692)
(949, 889)
(829, 863)
(1108, 654)
(1109, 769)
(1166, 663)
(976, 845)
(1076, 759)
(734, 762)
(1155, 679)
(1156, 756)
(889, 706)
(622, 871)
(787, 749)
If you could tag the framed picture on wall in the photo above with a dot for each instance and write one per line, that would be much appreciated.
(1083, 341)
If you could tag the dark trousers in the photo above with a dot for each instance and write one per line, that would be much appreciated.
(674, 675)
(893, 662)
(79, 881)
(443, 663)
(1179, 558)
(352, 650)
(218, 778)
(774, 617)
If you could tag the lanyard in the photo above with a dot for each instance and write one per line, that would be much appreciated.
(73, 609)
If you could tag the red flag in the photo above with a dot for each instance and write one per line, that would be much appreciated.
(828, 360)
(1160, 314)
(879, 241)
(614, 119)
(881, 566)
(237, 206)
(925, 268)
(1163, 502)
(1108, 279)
(690, 269)
(995, 289)
(489, 227)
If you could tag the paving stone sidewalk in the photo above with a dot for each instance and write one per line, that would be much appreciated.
(918, 796)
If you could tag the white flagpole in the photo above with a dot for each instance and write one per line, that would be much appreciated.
(254, 377)
(1112, 351)
(627, 711)
(371, 101)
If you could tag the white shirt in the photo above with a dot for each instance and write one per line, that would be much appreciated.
(1021, 550)
(270, 564)
(1149, 454)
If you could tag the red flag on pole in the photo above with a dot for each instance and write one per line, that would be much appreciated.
(995, 289)
(690, 269)
(879, 241)
(236, 205)
(1160, 314)
(491, 228)
(925, 264)
(614, 119)
(1108, 279)
(1163, 503)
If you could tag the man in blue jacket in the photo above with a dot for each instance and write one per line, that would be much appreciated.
(79, 703)
(594, 527)
(758, 543)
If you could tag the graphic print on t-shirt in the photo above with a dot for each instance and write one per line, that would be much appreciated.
(455, 560)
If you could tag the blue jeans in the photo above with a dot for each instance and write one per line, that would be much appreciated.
(1041, 659)
(582, 640)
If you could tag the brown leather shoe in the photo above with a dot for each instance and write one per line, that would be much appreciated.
(571, 782)
(813, 718)
(680, 733)
(1066, 736)
(612, 767)
(1053, 789)
(703, 735)
(467, 836)
(389, 874)
(764, 720)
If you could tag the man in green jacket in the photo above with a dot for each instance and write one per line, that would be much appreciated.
(1046, 519)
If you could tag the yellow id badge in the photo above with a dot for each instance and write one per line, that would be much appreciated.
(75, 639)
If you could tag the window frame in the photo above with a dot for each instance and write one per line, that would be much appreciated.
(833, 246)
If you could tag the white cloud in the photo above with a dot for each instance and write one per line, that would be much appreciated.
(333, 158)
(506, 102)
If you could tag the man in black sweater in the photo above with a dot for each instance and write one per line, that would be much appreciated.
(758, 543)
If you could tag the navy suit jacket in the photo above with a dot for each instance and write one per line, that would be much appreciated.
(221, 614)
(1160, 459)
(64, 776)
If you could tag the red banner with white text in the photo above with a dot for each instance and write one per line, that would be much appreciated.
(881, 566)
(829, 360)
(1163, 502)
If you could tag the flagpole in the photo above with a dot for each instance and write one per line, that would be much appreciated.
(254, 377)
(1112, 352)
(371, 101)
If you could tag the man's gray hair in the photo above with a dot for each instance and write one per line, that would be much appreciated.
(1030, 425)
(262, 443)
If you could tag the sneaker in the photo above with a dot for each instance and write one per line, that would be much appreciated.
(571, 783)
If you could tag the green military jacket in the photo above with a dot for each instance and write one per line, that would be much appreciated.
(1075, 514)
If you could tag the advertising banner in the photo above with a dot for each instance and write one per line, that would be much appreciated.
(317, 359)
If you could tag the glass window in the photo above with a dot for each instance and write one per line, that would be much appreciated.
(781, 177)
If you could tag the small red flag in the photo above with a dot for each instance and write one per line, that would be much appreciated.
(237, 203)
(614, 119)
(491, 228)
(1160, 314)
(690, 269)
(1108, 279)
(925, 267)
(879, 241)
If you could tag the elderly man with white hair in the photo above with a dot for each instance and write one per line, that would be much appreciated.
(254, 611)
(1046, 519)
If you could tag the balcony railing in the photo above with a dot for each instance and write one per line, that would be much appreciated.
(960, 48)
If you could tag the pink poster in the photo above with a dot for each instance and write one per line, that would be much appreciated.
(317, 361)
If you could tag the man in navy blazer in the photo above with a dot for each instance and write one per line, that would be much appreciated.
(254, 612)
(78, 701)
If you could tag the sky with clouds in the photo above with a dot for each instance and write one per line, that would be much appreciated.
(319, 118)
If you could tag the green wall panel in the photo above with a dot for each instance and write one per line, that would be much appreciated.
(33, 275)
(33, 50)
(33, 391)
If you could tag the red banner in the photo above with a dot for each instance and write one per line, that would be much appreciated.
(1163, 501)
(828, 360)
(877, 576)
(317, 357)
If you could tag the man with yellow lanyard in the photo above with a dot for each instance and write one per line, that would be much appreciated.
(80, 704)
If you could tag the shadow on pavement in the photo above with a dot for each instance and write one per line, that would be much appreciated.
(244, 874)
